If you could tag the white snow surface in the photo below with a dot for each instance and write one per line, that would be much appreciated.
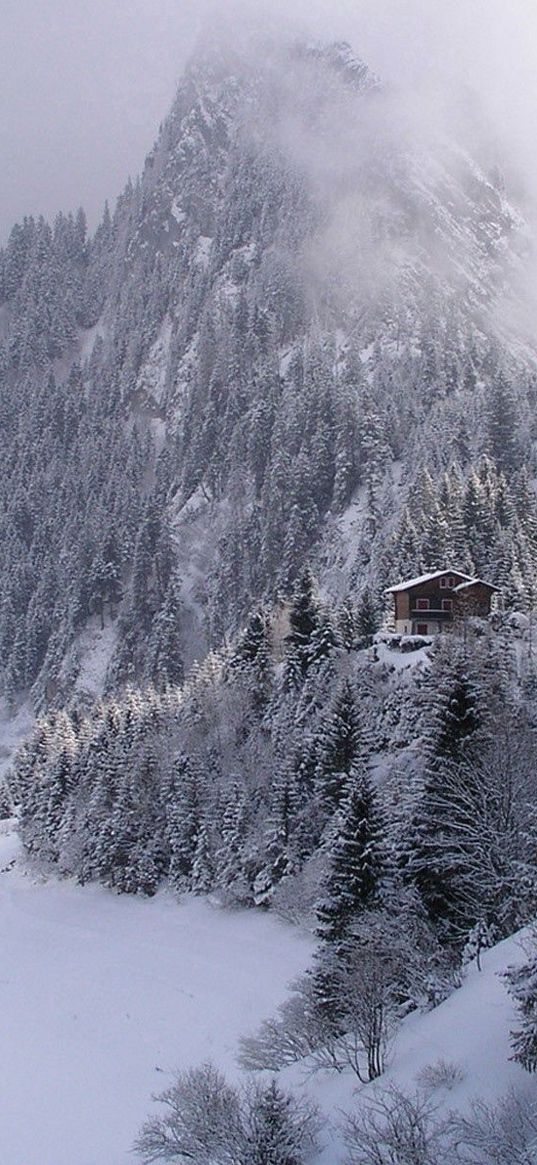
(423, 578)
(89, 337)
(470, 1030)
(151, 380)
(95, 647)
(178, 213)
(203, 251)
(103, 996)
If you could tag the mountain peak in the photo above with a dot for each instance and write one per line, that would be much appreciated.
(258, 47)
(340, 56)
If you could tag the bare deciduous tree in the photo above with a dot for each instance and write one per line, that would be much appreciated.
(208, 1122)
(487, 833)
(201, 1121)
(397, 1128)
(497, 1134)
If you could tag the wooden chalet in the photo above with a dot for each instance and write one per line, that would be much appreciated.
(439, 601)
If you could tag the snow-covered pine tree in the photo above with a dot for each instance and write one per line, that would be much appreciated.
(356, 859)
(303, 624)
(522, 986)
(455, 727)
(279, 1129)
(341, 743)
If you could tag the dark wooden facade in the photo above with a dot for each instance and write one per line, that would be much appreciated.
(439, 601)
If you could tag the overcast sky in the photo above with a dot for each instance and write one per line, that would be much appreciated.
(85, 83)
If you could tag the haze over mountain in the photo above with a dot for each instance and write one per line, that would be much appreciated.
(84, 89)
(299, 295)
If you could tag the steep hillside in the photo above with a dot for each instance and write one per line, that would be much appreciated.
(105, 998)
(309, 300)
(293, 367)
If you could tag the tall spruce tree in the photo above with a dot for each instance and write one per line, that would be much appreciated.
(356, 859)
(341, 744)
(456, 716)
(303, 624)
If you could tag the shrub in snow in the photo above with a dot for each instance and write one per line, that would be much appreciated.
(344, 1011)
(523, 988)
(443, 1074)
(355, 989)
(296, 1032)
(396, 1128)
(496, 1134)
(481, 938)
(200, 1122)
(340, 1015)
(208, 1122)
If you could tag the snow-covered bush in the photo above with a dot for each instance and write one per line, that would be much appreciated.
(523, 988)
(201, 1120)
(296, 1032)
(504, 1133)
(396, 1128)
(209, 1122)
(441, 1075)
(359, 995)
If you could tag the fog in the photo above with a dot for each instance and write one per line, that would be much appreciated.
(84, 86)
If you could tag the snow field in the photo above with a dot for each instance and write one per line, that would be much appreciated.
(469, 1030)
(102, 997)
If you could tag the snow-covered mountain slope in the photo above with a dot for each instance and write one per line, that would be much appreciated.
(466, 1039)
(309, 296)
(103, 997)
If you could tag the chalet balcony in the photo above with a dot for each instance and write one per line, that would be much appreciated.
(436, 613)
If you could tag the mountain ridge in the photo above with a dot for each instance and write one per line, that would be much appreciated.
(275, 317)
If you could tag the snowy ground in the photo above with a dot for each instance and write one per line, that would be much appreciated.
(101, 997)
(470, 1030)
(95, 648)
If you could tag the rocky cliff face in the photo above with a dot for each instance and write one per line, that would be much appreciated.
(305, 317)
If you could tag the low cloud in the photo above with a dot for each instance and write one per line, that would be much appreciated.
(84, 87)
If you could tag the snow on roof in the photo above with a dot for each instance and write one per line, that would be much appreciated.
(424, 578)
(475, 582)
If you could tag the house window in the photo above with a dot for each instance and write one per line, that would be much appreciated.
(422, 628)
(447, 604)
(451, 581)
(422, 604)
(443, 583)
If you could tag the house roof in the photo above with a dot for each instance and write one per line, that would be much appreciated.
(425, 578)
(474, 582)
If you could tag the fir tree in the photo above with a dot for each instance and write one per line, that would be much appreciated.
(356, 860)
(523, 989)
(303, 624)
(502, 422)
(454, 731)
(341, 745)
(251, 658)
(367, 618)
(279, 1131)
